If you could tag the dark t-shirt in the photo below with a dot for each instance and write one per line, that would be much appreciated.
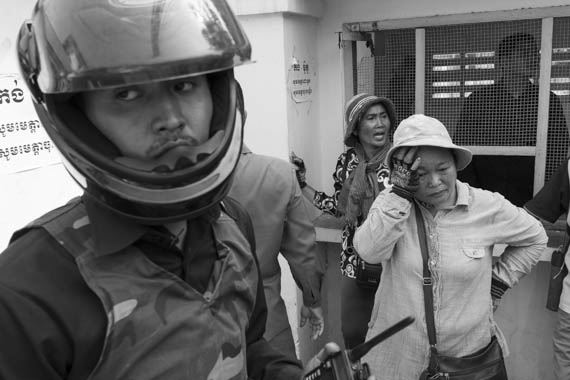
(552, 200)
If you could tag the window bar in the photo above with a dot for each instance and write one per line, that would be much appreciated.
(543, 102)
(347, 52)
(420, 69)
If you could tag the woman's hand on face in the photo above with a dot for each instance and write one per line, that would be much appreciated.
(403, 174)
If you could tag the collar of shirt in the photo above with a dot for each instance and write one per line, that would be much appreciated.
(462, 194)
(112, 233)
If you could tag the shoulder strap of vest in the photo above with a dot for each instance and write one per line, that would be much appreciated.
(68, 224)
(236, 211)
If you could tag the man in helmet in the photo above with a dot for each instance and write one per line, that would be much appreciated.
(148, 275)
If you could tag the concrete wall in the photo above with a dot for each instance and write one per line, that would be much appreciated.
(28, 194)
(303, 116)
(264, 85)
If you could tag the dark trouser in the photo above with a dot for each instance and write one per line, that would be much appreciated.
(356, 306)
(561, 342)
(283, 342)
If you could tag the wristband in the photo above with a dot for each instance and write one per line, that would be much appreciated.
(498, 288)
(400, 191)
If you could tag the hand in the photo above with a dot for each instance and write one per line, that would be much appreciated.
(404, 175)
(300, 169)
(315, 317)
(329, 349)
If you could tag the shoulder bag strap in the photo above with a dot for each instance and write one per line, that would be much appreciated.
(427, 287)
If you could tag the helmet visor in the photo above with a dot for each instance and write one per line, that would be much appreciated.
(96, 44)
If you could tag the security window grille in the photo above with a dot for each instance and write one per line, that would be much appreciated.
(560, 85)
(391, 72)
(482, 80)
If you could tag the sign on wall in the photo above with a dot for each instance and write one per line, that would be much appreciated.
(24, 144)
(300, 80)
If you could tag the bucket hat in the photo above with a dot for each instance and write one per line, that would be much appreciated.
(422, 130)
(357, 106)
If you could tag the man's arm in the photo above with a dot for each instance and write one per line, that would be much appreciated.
(263, 361)
(21, 352)
(50, 321)
(299, 247)
(552, 200)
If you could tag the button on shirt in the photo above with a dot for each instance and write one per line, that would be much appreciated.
(461, 241)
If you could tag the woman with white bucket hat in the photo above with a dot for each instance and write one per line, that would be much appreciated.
(462, 224)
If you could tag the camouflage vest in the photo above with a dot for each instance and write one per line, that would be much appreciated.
(159, 327)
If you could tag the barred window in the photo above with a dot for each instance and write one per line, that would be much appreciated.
(485, 82)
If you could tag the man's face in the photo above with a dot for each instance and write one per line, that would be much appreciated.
(156, 123)
(437, 174)
(373, 127)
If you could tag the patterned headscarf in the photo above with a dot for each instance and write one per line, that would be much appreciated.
(361, 187)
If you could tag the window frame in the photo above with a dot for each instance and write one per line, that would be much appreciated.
(353, 47)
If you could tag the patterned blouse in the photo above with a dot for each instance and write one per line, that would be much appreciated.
(346, 163)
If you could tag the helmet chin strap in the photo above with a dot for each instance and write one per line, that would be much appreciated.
(193, 155)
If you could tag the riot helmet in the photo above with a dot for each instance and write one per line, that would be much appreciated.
(73, 48)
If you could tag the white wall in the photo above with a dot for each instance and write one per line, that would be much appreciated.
(303, 116)
(25, 195)
(11, 19)
(264, 85)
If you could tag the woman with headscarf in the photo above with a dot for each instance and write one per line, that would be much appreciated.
(360, 175)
